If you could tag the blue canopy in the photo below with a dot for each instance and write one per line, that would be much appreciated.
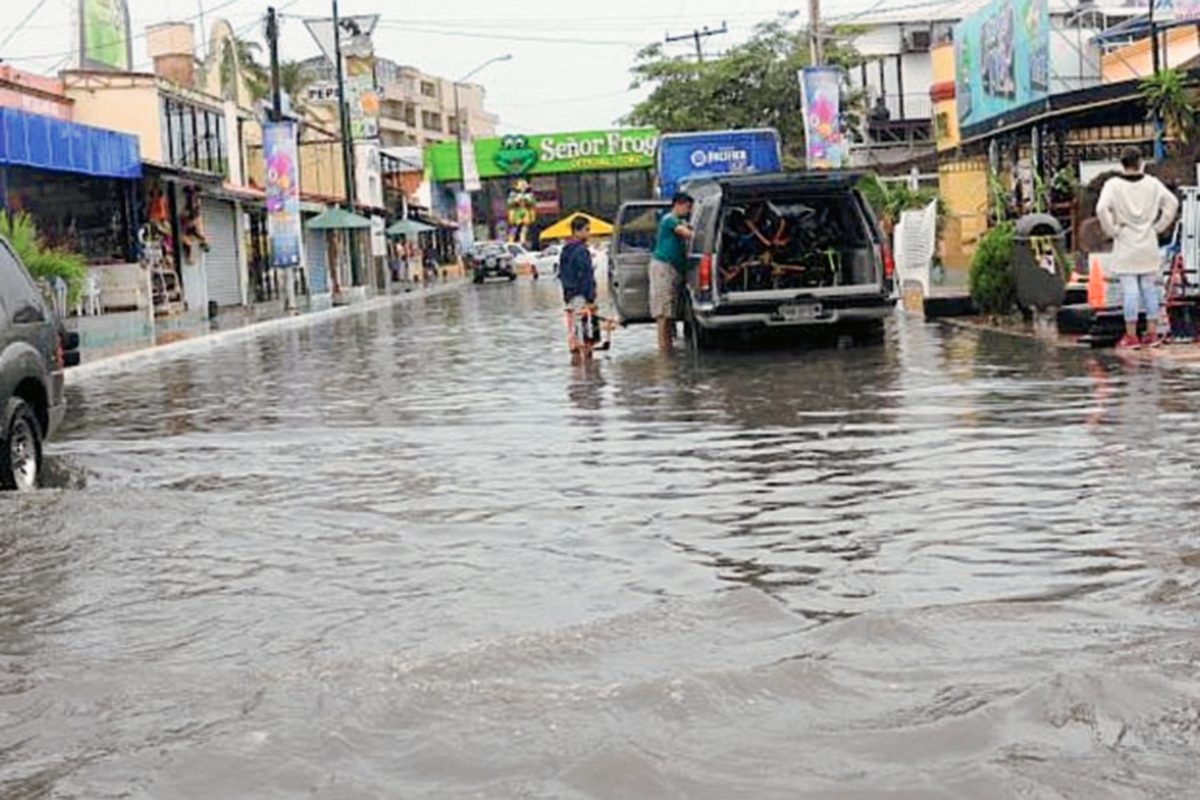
(46, 143)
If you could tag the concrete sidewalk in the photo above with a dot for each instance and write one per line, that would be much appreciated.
(111, 339)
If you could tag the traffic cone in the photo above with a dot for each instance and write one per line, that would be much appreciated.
(1095, 285)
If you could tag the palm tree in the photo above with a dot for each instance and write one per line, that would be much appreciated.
(1170, 102)
(294, 80)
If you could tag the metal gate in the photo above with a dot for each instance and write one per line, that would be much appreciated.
(221, 261)
(316, 256)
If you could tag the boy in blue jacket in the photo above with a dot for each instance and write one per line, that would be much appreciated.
(578, 277)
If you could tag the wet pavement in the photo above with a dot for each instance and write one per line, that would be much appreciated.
(411, 552)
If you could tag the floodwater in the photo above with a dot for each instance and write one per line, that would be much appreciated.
(413, 553)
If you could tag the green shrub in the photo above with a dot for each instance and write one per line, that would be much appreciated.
(991, 279)
(44, 262)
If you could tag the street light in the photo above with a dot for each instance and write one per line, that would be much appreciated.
(458, 121)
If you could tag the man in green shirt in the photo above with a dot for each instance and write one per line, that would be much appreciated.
(668, 265)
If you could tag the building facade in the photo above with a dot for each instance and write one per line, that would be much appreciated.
(416, 109)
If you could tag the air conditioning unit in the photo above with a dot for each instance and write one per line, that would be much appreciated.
(918, 41)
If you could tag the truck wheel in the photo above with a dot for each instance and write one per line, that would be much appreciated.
(870, 332)
(693, 332)
(21, 448)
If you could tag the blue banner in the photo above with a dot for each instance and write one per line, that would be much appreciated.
(1002, 59)
(283, 193)
(820, 93)
(693, 156)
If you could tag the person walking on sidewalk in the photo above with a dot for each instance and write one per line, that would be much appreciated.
(1134, 209)
(578, 277)
(668, 265)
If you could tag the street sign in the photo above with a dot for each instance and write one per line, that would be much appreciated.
(355, 38)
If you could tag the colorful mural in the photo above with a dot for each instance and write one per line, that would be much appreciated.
(1002, 56)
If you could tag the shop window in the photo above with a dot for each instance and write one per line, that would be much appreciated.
(569, 193)
(194, 137)
(609, 199)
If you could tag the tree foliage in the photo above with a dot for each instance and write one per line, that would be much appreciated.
(753, 85)
(43, 260)
(1167, 98)
(888, 199)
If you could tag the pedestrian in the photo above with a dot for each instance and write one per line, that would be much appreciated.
(578, 277)
(668, 265)
(1134, 209)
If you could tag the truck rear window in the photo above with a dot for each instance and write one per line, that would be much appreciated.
(638, 228)
(809, 240)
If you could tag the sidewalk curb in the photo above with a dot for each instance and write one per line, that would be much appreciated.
(214, 339)
(1176, 356)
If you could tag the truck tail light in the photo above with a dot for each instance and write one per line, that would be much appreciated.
(889, 263)
(705, 272)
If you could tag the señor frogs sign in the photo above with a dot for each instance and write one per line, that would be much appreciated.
(512, 156)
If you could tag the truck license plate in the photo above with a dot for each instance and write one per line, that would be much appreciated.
(800, 312)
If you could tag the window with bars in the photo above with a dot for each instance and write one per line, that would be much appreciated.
(194, 137)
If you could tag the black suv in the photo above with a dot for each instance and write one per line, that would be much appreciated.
(490, 260)
(34, 350)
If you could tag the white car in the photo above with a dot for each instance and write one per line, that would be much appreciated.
(547, 260)
(523, 260)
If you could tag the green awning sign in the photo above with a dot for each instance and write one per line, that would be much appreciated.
(519, 156)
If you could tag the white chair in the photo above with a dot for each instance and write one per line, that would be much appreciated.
(89, 299)
(915, 240)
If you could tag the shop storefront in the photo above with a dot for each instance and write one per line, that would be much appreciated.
(79, 184)
(533, 181)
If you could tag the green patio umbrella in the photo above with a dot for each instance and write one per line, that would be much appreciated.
(337, 219)
(408, 227)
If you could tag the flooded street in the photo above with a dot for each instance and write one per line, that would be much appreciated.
(412, 552)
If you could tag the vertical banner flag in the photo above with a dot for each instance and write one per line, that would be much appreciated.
(102, 28)
(283, 193)
(820, 89)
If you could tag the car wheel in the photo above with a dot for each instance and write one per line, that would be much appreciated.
(512, 276)
(21, 448)
(693, 333)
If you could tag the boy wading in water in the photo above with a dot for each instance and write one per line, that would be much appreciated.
(1134, 208)
(578, 277)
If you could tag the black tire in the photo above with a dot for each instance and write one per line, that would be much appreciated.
(20, 447)
(694, 333)
(871, 332)
(512, 276)
(477, 279)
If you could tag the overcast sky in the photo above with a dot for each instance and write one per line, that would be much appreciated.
(570, 71)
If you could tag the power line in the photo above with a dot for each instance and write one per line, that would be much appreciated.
(21, 24)
(405, 28)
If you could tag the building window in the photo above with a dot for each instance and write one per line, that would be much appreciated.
(194, 137)
(452, 125)
(410, 115)
(431, 121)
(428, 89)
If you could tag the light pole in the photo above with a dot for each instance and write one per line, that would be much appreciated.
(458, 120)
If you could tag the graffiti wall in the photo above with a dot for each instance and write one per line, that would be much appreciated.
(1002, 59)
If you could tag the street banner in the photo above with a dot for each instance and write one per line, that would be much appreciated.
(821, 102)
(358, 68)
(103, 35)
(362, 97)
(470, 168)
(464, 213)
(283, 193)
(355, 39)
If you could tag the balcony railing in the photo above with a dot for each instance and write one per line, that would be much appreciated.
(903, 107)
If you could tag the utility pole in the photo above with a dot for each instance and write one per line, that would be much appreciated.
(816, 45)
(697, 35)
(273, 54)
(347, 143)
(272, 32)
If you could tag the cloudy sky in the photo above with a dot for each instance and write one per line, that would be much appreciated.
(570, 68)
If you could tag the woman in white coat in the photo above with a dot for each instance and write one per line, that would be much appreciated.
(1134, 209)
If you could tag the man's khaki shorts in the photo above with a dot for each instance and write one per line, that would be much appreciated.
(664, 288)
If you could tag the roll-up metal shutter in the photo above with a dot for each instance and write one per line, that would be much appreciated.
(221, 261)
(316, 256)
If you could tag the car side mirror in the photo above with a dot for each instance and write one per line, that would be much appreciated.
(72, 358)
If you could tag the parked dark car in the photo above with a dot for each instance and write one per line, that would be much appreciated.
(797, 251)
(490, 260)
(34, 351)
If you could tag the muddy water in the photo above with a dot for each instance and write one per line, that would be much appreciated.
(413, 553)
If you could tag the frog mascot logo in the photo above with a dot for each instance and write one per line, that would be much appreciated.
(522, 212)
(515, 156)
